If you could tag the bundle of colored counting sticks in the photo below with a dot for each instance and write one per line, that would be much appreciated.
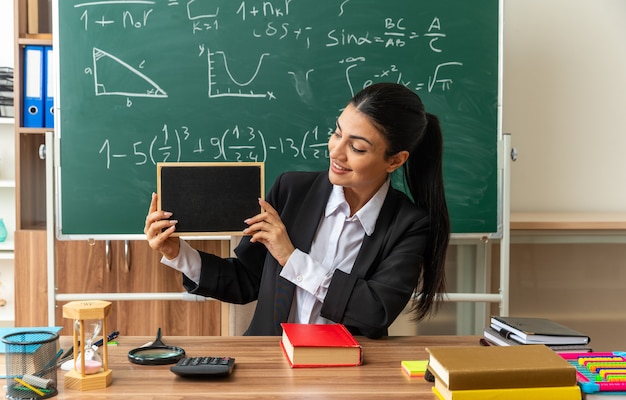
(599, 371)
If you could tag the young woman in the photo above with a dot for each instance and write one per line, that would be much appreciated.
(340, 245)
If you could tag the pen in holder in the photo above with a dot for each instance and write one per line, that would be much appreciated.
(31, 364)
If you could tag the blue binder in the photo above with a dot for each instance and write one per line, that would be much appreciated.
(48, 89)
(33, 86)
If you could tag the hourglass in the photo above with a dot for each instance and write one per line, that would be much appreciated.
(91, 371)
(92, 360)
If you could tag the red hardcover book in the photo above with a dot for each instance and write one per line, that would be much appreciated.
(320, 345)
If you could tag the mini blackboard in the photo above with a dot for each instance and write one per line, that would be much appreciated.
(209, 198)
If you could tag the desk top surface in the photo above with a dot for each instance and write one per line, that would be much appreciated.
(261, 371)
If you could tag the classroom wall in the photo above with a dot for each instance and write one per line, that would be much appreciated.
(564, 101)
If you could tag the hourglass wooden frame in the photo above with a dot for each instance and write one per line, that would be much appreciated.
(84, 311)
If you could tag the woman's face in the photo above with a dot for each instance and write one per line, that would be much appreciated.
(357, 155)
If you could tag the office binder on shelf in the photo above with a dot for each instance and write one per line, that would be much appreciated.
(33, 86)
(48, 89)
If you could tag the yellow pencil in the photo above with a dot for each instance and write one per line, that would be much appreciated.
(31, 387)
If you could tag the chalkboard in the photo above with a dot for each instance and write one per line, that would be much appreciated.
(142, 82)
(209, 199)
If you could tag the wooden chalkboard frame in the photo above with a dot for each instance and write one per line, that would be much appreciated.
(210, 198)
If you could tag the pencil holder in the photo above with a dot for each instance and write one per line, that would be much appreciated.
(31, 364)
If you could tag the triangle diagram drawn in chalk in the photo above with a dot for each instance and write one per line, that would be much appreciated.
(112, 76)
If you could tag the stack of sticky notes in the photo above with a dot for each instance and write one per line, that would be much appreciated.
(415, 367)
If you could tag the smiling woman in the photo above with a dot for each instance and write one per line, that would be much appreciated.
(340, 245)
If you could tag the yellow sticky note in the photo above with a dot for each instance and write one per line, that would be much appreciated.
(414, 367)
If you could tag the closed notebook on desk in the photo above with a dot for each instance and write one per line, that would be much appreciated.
(496, 367)
(320, 345)
(497, 338)
(530, 330)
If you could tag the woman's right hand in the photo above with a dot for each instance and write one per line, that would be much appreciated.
(159, 229)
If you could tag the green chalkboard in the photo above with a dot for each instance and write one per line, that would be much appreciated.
(142, 82)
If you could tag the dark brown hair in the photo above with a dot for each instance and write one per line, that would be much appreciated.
(400, 116)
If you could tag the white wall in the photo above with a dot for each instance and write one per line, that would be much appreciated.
(564, 103)
(6, 33)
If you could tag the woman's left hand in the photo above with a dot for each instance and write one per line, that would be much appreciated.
(268, 228)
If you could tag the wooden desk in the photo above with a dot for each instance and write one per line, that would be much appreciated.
(261, 371)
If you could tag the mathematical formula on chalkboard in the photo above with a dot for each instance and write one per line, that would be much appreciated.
(244, 144)
(206, 19)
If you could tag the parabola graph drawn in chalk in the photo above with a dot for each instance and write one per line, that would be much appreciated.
(223, 83)
(114, 77)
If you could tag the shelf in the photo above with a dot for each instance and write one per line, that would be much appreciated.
(35, 41)
(7, 121)
(568, 228)
(6, 249)
(34, 226)
(569, 221)
(7, 292)
(34, 131)
(7, 183)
